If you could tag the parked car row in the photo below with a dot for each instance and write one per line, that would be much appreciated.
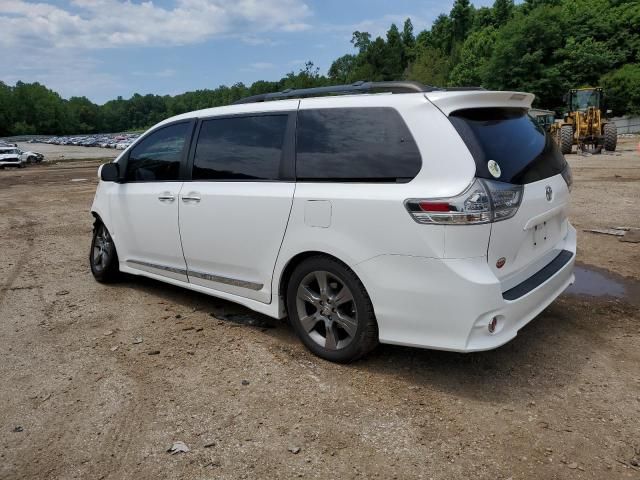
(117, 141)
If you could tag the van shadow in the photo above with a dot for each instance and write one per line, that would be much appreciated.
(217, 308)
(545, 357)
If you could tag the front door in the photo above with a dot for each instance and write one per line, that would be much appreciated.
(145, 205)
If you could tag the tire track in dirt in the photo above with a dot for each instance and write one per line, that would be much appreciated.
(24, 256)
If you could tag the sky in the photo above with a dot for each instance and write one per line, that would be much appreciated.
(103, 49)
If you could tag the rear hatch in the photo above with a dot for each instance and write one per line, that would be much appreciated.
(509, 147)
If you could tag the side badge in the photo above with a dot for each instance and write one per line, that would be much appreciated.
(494, 168)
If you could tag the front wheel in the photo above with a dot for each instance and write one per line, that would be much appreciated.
(103, 257)
(610, 137)
(566, 139)
(330, 310)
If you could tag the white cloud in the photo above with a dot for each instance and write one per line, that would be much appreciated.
(262, 65)
(64, 72)
(167, 72)
(116, 23)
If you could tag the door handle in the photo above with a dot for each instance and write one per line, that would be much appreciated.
(191, 197)
(166, 197)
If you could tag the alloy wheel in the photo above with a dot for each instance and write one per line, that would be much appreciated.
(327, 310)
(101, 248)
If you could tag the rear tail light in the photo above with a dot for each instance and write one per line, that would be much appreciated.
(484, 201)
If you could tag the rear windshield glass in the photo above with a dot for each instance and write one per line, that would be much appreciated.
(524, 152)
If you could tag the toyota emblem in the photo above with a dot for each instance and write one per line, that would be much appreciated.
(549, 193)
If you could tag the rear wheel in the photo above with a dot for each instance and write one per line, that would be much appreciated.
(330, 310)
(566, 138)
(610, 137)
(103, 256)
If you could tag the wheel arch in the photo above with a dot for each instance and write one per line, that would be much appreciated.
(296, 260)
(100, 218)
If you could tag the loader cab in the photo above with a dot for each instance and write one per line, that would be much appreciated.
(584, 98)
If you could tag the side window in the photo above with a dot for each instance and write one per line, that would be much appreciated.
(355, 144)
(157, 157)
(240, 148)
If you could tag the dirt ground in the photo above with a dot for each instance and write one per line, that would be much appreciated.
(98, 381)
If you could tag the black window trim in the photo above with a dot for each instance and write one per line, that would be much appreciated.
(359, 181)
(287, 158)
(124, 160)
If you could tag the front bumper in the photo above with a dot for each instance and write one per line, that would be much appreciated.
(447, 304)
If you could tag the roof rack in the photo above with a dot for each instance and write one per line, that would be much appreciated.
(357, 87)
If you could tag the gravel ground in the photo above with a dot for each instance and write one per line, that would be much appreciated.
(99, 381)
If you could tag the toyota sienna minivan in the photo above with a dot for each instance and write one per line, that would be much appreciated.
(384, 212)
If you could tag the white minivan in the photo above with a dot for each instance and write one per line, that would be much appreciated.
(383, 212)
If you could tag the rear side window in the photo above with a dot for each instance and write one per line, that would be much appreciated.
(510, 137)
(157, 157)
(240, 148)
(355, 144)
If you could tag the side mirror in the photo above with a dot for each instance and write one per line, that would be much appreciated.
(110, 172)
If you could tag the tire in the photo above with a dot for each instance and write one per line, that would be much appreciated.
(610, 137)
(31, 160)
(336, 322)
(103, 257)
(566, 138)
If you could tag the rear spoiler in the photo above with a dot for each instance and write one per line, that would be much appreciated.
(449, 102)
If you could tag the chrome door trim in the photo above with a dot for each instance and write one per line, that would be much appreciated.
(180, 271)
(226, 280)
(205, 276)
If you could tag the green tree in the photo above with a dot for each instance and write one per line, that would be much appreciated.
(361, 40)
(461, 19)
(502, 11)
(431, 67)
(475, 53)
(408, 41)
(343, 68)
(524, 56)
(622, 89)
(393, 64)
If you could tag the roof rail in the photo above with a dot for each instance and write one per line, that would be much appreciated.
(357, 87)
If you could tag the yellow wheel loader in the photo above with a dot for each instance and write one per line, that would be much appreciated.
(585, 124)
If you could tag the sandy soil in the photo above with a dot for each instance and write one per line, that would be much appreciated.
(82, 397)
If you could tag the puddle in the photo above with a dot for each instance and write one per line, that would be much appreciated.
(596, 282)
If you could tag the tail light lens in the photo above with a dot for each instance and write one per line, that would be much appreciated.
(484, 201)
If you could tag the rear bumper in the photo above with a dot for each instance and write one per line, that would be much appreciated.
(447, 304)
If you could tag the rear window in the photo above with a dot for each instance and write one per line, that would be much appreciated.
(524, 152)
(355, 145)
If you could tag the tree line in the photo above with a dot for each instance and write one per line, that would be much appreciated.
(539, 46)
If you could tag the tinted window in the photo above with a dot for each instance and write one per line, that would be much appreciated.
(240, 148)
(157, 156)
(522, 149)
(355, 144)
